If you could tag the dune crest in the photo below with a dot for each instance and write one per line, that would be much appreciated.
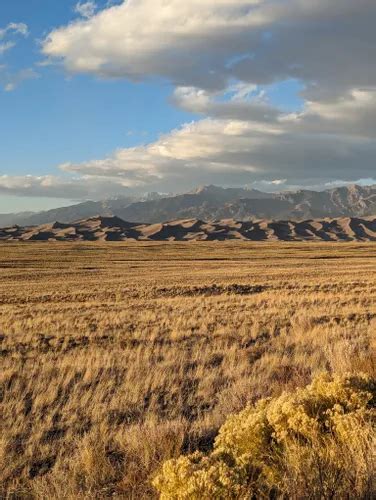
(116, 229)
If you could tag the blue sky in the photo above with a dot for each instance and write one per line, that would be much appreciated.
(56, 118)
(163, 95)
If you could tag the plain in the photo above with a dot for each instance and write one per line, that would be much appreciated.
(116, 357)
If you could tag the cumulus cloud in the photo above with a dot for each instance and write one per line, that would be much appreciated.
(239, 106)
(313, 148)
(248, 141)
(204, 43)
(149, 37)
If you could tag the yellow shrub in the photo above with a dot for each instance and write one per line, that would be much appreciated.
(316, 442)
(200, 476)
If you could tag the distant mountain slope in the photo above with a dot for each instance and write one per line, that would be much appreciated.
(115, 229)
(205, 203)
(105, 208)
(9, 219)
(214, 203)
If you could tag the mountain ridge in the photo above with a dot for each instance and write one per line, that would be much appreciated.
(214, 203)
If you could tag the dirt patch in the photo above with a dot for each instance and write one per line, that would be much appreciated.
(210, 290)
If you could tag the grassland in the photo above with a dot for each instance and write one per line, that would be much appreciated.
(116, 357)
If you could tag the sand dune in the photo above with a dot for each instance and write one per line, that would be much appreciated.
(116, 229)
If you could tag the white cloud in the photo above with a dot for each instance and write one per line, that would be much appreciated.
(148, 37)
(86, 9)
(14, 28)
(11, 29)
(240, 106)
(205, 43)
(316, 147)
(58, 187)
(278, 182)
(242, 91)
(10, 80)
(4, 47)
(306, 148)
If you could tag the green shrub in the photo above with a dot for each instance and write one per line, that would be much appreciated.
(318, 442)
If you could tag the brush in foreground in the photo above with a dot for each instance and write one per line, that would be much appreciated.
(318, 442)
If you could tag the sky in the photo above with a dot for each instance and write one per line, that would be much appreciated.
(106, 98)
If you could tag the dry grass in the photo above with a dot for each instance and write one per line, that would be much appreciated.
(116, 357)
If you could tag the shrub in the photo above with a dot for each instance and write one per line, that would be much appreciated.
(317, 442)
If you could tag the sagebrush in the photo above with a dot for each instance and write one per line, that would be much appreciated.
(318, 442)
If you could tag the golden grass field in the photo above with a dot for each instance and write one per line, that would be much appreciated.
(116, 357)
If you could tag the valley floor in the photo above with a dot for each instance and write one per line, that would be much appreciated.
(115, 357)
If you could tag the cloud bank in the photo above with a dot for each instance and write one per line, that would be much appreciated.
(50, 186)
(318, 145)
(223, 56)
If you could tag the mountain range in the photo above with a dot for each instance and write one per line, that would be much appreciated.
(214, 203)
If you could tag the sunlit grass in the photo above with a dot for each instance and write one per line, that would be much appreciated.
(117, 357)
